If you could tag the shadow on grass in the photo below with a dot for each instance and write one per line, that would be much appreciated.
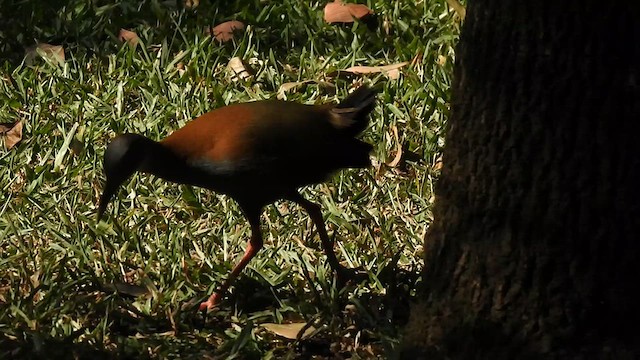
(119, 331)
(93, 27)
(34, 345)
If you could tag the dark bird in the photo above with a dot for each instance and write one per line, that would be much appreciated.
(257, 153)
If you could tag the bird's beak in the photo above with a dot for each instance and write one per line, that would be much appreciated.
(109, 190)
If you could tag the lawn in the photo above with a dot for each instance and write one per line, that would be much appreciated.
(72, 287)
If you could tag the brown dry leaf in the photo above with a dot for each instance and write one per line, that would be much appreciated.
(5, 127)
(393, 74)
(4, 290)
(417, 60)
(376, 69)
(239, 69)
(386, 25)
(291, 86)
(35, 279)
(337, 12)
(51, 52)
(438, 165)
(458, 8)
(289, 331)
(180, 67)
(442, 60)
(129, 37)
(391, 71)
(191, 4)
(224, 32)
(12, 134)
(398, 158)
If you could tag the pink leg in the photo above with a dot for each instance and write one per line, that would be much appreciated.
(255, 244)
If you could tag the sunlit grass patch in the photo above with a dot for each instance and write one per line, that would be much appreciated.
(174, 244)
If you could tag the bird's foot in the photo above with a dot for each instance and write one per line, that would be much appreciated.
(211, 303)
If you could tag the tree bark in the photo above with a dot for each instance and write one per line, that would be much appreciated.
(534, 248)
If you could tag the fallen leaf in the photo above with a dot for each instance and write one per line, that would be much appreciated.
(291, 86)
(398, 158)
(391, 71)
(191, 4)
(224, 32)
(4, 290)
(239, 69)
(337, 12)
(376, 69)
(52, 52)
(438, 165)
(458, 8)
(35, 279)
(12, 134)
(417, 60)
(289, 331)
(442, 60)
(386, 25)
(393, 74)
(180, 67)
(129, 37)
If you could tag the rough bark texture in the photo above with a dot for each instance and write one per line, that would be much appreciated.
(534, 250)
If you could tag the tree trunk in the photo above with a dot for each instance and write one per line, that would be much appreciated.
(534, 248)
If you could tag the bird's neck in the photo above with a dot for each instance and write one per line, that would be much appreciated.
(162, 162)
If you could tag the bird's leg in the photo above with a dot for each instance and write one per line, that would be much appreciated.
(327, 245)
(254, 245)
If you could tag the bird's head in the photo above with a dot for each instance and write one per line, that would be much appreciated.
(123, 157)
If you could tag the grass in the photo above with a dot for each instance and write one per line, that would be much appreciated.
(62, 275)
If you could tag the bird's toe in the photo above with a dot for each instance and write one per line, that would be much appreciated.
(211, 303)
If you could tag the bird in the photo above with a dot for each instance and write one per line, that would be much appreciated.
(256, 153)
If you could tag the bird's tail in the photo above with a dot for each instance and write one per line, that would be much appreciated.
(352, 114)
